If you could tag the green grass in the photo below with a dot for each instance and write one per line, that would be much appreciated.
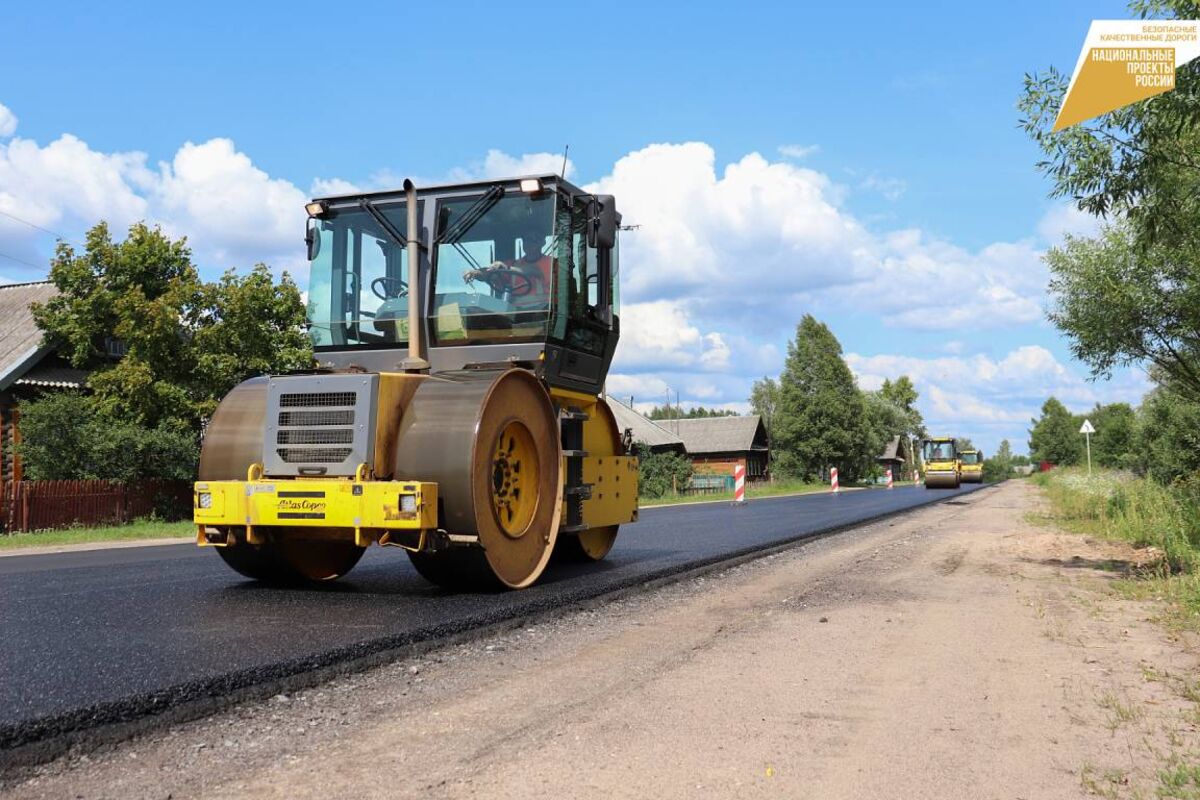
(1145, 514)
(1181, 779)
(753, 490)
(141, 529)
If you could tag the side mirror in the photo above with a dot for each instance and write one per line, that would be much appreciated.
(602, 233)
(311, 239)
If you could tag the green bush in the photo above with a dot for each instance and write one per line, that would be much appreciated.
(661, 473)
(65, 437)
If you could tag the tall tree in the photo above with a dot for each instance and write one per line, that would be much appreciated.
(764, 401)
(885, 420)
(678, 412)
(186, 342)
(904, 395)
(1168, 436)
(1113, 444)
(1055, 435)
(999, 466)
(1122, 301)
(820, 420)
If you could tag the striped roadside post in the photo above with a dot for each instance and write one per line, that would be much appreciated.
(739, 484)
(833, 479)
(889, 478)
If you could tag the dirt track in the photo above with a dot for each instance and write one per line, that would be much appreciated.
(955, 652)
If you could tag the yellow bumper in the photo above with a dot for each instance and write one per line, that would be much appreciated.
(369, 508)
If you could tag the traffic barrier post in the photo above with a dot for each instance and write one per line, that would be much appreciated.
(739, 484)
(833, 479)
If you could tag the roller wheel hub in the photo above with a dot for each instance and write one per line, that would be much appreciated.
(514, 479)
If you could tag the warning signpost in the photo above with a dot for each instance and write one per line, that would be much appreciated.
(1087, 430)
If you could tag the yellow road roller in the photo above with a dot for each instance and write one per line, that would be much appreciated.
(970, 466)
(941, 463)
(462, 336)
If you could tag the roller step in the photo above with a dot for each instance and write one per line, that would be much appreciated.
(575, 453)
(582, 526)
(575, 414)
(583, 490)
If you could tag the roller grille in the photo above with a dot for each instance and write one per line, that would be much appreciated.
(327, 429)
(314, 455)
(312, 399)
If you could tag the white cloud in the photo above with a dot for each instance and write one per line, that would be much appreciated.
(8, 121)
(329, 187)
(1064, 219)
(215, 195)
(747, 238)
(68, 180)
(498, 164)
(989, 399)
(927, 284)
(1026, 371)
(890, 188)
(799, 151)
(624, 386)
(660, 334)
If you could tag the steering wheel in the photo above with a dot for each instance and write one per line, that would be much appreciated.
(387, 288)
(503, 278)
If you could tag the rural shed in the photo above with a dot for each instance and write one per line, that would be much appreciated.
(28, 366)
(644, 430)
(897, 457)
(717, 444)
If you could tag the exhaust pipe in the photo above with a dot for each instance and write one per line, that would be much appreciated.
(416, 361)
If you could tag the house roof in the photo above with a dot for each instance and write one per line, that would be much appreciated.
(718, 434)
(644, 431)
(55, 377)
(898, 449)
(893, 451)
(20, 338)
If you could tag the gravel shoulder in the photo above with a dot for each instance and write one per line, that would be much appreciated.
(956, 651)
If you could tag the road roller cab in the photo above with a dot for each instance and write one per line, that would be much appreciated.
(971, 466)
(462, 335)
(941, 463)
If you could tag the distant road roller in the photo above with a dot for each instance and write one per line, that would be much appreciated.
(941, 463)
(970, 464)
(463, 334)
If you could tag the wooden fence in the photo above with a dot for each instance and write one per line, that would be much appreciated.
(42, 505)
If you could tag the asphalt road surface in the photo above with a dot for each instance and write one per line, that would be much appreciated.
(108, 636)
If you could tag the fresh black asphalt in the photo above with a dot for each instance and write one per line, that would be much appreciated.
(108, 636)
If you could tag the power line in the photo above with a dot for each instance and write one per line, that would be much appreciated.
(22, 261)
(32, 225)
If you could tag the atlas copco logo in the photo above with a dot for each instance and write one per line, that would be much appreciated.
(301, 505)
(1123, 61)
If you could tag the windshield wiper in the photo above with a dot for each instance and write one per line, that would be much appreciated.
(471, 215)
(385, 223)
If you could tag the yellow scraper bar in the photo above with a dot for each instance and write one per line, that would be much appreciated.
(358, 505)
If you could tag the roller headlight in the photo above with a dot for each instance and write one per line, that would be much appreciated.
(204, 500)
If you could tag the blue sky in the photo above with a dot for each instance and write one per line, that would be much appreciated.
(864, 161)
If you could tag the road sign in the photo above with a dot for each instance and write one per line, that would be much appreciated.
(1087, 427)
